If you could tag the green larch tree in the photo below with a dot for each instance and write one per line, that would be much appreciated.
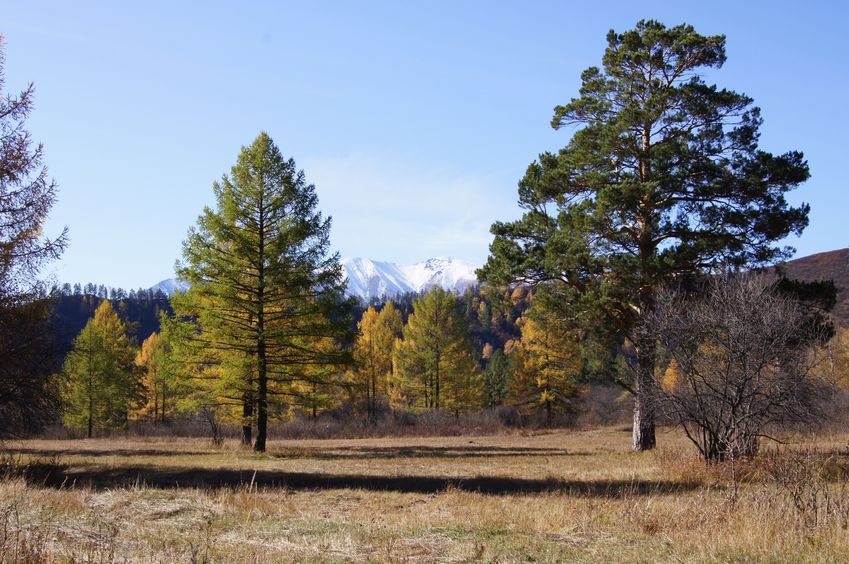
(265, 290)
(662, 180)
(100, 385)
(434, 362)
(497, 378)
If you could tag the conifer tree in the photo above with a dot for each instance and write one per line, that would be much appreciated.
(266, 293)
(497, 379)
(100, 387)
(434, 362)
(549, 364)
(155, 361)
(26, 196)
(662, 180)
(373, 351)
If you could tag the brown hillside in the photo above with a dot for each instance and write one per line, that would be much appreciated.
(831, 265)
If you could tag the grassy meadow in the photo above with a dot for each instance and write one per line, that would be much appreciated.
(541, 496)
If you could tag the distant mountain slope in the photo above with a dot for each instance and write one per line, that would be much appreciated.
(170, 286)
(830, 265)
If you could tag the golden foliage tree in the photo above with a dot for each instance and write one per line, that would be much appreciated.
(548, 365)
(100, 386)
(373, 349)
(156, 363)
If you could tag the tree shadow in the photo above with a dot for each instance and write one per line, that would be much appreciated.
(100, 452)
(61, 476)
(319, 453)
(378, 453)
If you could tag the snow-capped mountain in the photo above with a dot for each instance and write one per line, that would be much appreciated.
(369, 279)
(170, 286)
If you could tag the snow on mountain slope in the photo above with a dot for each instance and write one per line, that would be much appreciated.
(372, 279)
(369, 279)
(170, 286)
(450, 274)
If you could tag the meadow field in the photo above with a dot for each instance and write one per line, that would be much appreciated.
(533, 496)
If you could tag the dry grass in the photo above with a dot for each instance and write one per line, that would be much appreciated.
(561, 496)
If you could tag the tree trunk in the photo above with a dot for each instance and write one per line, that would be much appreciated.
(262, 365)
(247, 420)
(262, 401)
(90, 388)
(436, 389)
(644, 399)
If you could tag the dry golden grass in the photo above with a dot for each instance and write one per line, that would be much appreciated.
(559, 496)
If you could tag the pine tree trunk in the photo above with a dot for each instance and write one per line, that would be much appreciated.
(644, 404)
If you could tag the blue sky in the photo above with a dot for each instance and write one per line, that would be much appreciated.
(414, 121)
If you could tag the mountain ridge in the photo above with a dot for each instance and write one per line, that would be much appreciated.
(370, 279)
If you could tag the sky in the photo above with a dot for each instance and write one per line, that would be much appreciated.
(414, 121)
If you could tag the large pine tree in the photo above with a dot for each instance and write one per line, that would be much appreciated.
(662, 179)
(266, 292)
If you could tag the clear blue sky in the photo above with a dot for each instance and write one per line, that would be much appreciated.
(414, 121)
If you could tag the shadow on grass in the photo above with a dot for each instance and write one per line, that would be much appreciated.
(98, 452)
(368, 453)
(323, 453)
(58, 476)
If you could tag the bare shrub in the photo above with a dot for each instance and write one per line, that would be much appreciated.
(815, 484)
(742, 359)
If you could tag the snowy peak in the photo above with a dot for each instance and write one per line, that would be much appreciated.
(369, 279)
(450, 274)
(170, 286)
